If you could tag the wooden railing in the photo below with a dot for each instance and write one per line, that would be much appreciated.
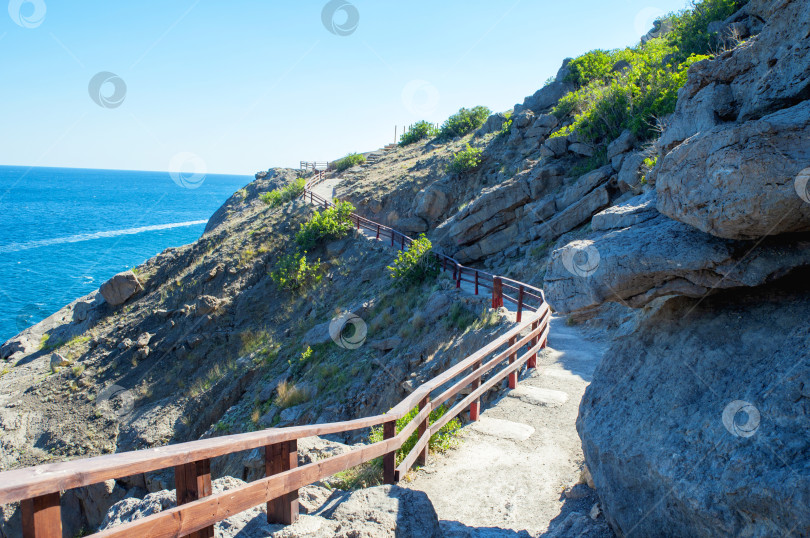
(39, 488)
(523, 296)
(314, 166)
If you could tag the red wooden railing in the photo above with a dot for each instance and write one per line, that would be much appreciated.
(39, 488)
(523, 296)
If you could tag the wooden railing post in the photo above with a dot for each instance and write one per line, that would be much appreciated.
(532, 362)
(192, 481)
(42, 517)
(378, 231)
(403, 243)
(520, 304)
(278, 458)
(497, 292)
(512, 356)
(390, 459)
(458, 277)
(421, 459)
(476, 282)
(475, 407)
(392, 237)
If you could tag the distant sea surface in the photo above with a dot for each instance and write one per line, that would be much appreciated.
(64, 231)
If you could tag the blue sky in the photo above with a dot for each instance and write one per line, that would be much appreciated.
(244, 86)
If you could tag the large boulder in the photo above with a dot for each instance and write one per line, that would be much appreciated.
(741, 181)
(546, 97)
(695, 424)
(432, 203)
(660, 257)
(120, 288)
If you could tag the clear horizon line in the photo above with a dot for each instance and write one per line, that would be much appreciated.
(125, 169)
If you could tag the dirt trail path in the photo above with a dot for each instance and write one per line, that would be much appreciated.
(508, 475)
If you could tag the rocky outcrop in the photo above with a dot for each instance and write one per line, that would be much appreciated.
(659, 257)
(696, 422)
(769, 72)
(530, 207)
(740, 181)
(120, 288)
(629, 213)
(548, 96)
(378, 511)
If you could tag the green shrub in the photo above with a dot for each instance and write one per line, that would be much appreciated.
(593, 65)
(609, 99)
(415, 264)
(690, 28)
(294, 273)
(352, 159)
(464, 121)
(285, 194)
(506, 128)
(301, 362)
(371, 474)
(465, 160)
(630, 99)
(419, 131)
(441, 441)
(332, 223)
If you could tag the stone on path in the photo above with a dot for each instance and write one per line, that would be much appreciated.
(503, 429)
(538, 396)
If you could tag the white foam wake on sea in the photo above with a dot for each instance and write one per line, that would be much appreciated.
(16, 247)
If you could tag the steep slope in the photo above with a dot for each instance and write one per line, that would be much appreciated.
(211, 345)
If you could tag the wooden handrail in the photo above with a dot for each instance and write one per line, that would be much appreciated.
(525, 292)
(39, 487)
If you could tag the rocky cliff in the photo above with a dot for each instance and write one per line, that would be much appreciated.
(696, 420)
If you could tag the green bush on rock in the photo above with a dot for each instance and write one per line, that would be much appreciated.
(294, 273)
(465, 160)
(463, 122)
(283, 195)
(419, 131)
(415, 264)
(329, 224)
(352, 159)
(632, 88)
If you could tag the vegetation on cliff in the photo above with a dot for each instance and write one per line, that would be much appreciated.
(632, 88)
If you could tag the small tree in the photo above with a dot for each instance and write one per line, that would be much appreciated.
(415, 264)
(332, 223)
(463, 122)
(465, 160)
(419, 131)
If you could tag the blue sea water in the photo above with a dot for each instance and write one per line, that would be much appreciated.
(64, 231)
